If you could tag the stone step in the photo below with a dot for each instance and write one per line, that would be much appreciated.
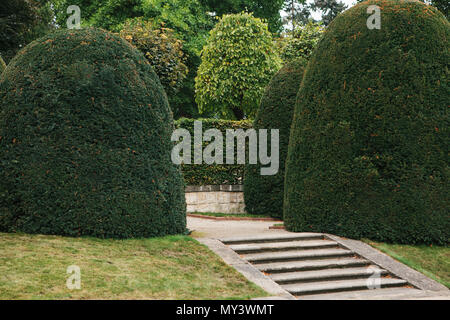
(283, 246)
(273, 238)
(257, 258)
(401, 293)
(324, 275)
(278, 267)
(300, 289)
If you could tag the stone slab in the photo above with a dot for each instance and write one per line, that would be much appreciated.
(384, 261)
(276, 267)
(246, 269)
(326, 274)
(340, 285)
(296, 255)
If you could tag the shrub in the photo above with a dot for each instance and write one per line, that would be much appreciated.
(162, 50)
(264, 194)
(302, 43)
(369, 140)
(215, 174)
(85, 141)
(237, 63)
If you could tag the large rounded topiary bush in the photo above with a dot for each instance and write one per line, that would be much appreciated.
(264, 193)
(85, 141)
(369, 140)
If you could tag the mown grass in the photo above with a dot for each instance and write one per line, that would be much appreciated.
(433, 261)
(234, 215)
(175, 267)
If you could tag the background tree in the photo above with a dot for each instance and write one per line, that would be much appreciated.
(161, 48)
(302, 42)
(297, 13)
(21, 21)
(237, 63)
(264, 9)
(329, 8)
(441, 5)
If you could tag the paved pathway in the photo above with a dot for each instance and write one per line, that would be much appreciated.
(311, 265)
(206, 228)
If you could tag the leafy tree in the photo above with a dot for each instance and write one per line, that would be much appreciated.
(161, 48)
(441, 5)
(298, 13)
(264, 9)
(237, 63)
(330, 9)
(302, 42)
(21, 21)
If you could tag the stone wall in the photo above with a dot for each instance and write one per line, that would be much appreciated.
(217, 199)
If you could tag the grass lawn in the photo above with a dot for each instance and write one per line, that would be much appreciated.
(433, 261)
(175, 267)
(238, 215)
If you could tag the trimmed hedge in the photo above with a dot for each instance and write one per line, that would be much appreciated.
(264, 194)
(85, 141)
(203, 174)
(368, 153)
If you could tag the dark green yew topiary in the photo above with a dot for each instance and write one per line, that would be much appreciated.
(264, 194)
(368, 153)
(85, 141)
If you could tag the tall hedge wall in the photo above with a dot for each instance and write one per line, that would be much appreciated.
(203, 174)
(368, 153)
(264, 194)
(85, 141)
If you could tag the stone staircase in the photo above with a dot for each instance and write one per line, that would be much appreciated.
(311, 265)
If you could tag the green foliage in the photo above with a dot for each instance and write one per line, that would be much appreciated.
(2, 65)
(21, 21)
(368, 147)
(204, 174)
(85, 141)
(302, 42)
(330, 9)
(237, 63)
(442, 5)
(162, 50)
(188, 19)
(267, 10)
(264, 194)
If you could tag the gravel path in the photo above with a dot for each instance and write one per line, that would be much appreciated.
(206, 228)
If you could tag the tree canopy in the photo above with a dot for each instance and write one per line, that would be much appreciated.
(264, 9)
(238, 61)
